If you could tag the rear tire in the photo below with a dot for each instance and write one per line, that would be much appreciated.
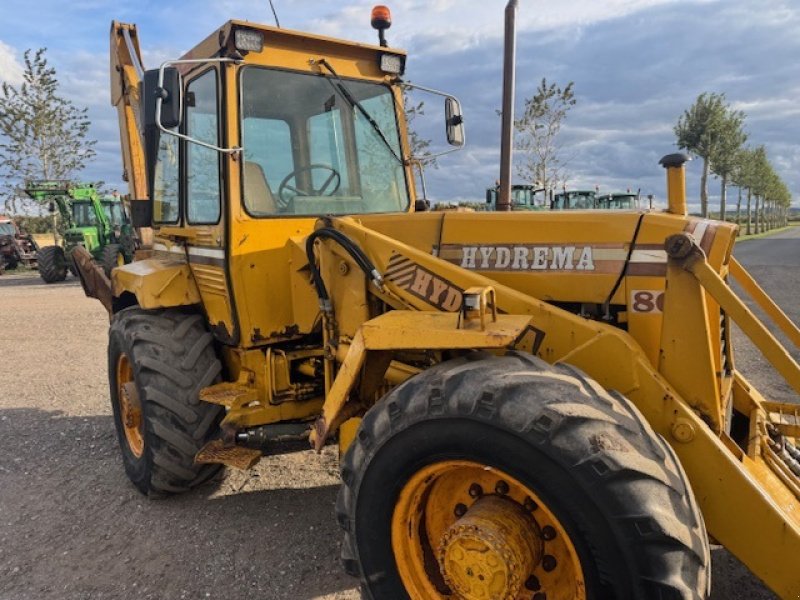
(172, 357)
(112, 257)
(613, 483)
(52, 264)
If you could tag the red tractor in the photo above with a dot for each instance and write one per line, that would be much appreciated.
(16, 246)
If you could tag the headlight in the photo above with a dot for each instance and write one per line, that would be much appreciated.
(394, 64)
(248, 40)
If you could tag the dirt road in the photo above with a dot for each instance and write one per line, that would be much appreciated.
(73, 528)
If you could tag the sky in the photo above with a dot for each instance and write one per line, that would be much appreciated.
(636, 66)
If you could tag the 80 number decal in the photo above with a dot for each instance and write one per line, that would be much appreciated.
(647, 301)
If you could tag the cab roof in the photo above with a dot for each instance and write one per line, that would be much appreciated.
(275, 36)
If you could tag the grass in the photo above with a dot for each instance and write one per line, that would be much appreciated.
(754, 236)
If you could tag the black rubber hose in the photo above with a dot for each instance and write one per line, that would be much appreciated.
(352, 249)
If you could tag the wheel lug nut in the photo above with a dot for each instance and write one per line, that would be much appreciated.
(501, 488)
(475, 491)
(532, 583)
(460, 510)
(530, 505)
(548, 533)
(549, 563)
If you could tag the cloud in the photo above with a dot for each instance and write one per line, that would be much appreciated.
(636, 64)
(10, 68)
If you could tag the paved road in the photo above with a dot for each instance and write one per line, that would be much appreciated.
(779, 250)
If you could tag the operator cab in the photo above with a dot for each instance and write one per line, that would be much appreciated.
(618, 201)
(575, 200)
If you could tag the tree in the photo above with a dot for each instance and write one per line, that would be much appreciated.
(699, 130)
(42, 134)
(741, 177)
(724, 152)
(419, 145)
(537, 135)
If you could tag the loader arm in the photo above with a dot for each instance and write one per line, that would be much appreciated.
(748, 506)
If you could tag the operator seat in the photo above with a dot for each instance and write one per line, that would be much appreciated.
(258, 196)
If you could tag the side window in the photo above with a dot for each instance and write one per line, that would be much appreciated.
(165, 181)
(267, 161)
(202, 164)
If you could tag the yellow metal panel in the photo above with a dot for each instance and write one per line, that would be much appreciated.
(213, 290)
(687, 358)
(403, 329)
(156, 283)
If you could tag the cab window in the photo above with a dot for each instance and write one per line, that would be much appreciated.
(202, 164)
(165, 181)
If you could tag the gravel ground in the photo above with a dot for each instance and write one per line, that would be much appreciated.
(72, 527)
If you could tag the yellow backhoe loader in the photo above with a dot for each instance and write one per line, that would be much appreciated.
(528, 405)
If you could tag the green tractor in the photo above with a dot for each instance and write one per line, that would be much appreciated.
(619, 201)
(575, 200)
(523, 197)
(101, 225)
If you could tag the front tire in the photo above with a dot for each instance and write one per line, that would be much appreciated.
(52, 264)
(579, 462)
(158, 361)
(112, 257)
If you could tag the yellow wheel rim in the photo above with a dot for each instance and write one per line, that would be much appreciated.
(130, 409)
(463, 530)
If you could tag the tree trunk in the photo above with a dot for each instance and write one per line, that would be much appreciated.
(749, 213)
(704, 188)
(757, 231)
(739, 208)
(723, 197)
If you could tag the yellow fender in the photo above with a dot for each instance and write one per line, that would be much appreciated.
(156, 283)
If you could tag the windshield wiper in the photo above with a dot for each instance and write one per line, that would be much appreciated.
(345, 93)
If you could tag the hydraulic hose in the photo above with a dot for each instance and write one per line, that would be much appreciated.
(364, 263)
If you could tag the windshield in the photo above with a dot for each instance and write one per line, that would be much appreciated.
(308, 151)
(83, 214)
(7, 229)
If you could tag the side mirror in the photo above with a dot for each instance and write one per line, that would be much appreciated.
(454, 122)
(141, 213)
(170, 94)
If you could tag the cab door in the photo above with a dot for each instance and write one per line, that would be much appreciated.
(203, 199)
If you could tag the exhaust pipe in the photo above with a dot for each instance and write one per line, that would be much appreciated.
(507, 133)
(676, 182)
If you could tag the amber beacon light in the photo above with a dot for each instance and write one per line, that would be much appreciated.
(381, 19)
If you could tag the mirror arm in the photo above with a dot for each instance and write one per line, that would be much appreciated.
(162, 93)
(435, 92)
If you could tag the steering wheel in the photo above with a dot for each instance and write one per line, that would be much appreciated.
(284, 199)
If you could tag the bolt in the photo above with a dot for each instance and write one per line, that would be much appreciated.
(532, 583)
(460, 510)
(475, 491)
(548, 533)
(530, 505)
(549, 563)
(501, 488)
